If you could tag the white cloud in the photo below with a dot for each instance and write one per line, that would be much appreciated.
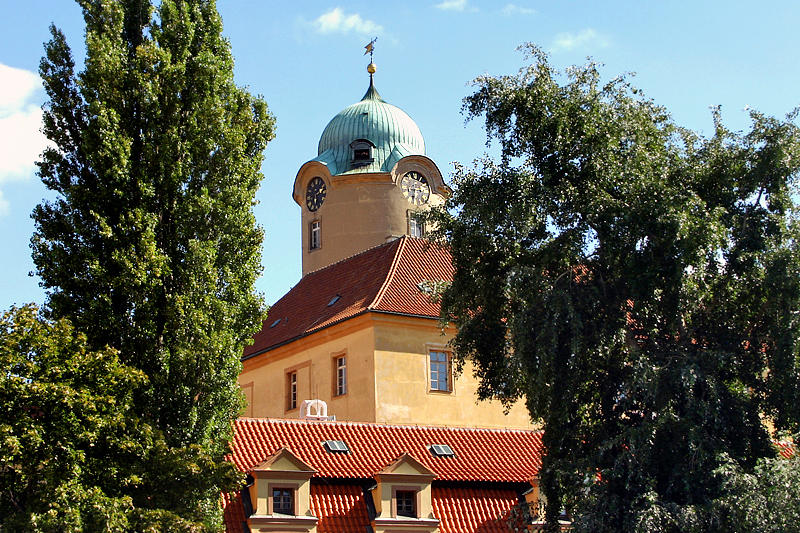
(337, 21)
(587, 38)
(21, 142)
(17, 88)
(514, 9)
(455, 5)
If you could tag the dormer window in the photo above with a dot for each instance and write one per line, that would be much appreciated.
(361, 152)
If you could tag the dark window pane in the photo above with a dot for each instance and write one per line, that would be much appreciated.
(283, 501)
(406, 503)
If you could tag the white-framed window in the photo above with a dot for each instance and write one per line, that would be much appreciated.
(340, 365)
(291, 390)
(315, 235)
(440, 375)
(416, 227)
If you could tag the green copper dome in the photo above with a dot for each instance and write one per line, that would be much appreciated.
(391, 133)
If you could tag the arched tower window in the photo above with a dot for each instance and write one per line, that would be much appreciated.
(361, 153)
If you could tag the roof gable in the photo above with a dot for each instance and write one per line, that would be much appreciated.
(283, 460)
(383, 279)
(406, 465)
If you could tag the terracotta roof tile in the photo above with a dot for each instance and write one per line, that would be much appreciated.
(340, 508)
(233, 513)
(491, 455)
(418, 260)
(786, 449)
(384, 278)
(473, 509)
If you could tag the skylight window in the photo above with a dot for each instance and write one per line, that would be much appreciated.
(441, 450)
(336, 446)
(334, 300)
(275, 323)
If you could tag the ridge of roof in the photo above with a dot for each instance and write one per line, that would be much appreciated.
(390, 276)
(386, 425)
(390, 240)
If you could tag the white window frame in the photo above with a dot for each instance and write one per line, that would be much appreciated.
(315, 235)
(340, 373)
(416, 228)
(291, 390)
(434, 373)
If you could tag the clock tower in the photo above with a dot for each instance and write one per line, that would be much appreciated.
(357, 334)
(368, 184)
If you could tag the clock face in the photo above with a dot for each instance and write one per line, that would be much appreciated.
(415, 188)
(315, 193)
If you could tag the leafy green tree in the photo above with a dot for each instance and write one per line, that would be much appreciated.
(74, 454)
(762, 500)
(637, 284)
(151, 245)
(64, 412)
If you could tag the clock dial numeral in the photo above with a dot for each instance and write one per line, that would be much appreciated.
(315, 194)
(415, 188)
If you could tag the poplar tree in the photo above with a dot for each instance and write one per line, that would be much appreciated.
(638, 285)
(150, 245)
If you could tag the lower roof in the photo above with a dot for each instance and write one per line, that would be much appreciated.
(342, 508)
(484, 455)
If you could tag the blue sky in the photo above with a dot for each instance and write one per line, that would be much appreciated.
(306, 59)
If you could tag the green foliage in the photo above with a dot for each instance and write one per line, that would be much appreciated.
(637, 284)
(66, 426)
(151, 244)
(763, 500)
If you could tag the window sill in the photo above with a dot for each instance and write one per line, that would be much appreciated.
(282, 519)
(406, 521)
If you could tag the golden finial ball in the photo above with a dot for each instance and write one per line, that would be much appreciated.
(371, 68)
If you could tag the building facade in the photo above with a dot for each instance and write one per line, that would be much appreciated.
(358, 332)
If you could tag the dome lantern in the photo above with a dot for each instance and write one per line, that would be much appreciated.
(389, 131)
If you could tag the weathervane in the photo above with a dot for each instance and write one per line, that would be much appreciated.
(370, 48)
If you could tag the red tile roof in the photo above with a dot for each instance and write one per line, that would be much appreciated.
(473, 509)
(786, 449)
(232, 513)
(383, 279)
(341, 508)
(489, 455)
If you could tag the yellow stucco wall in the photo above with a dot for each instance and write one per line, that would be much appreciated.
(387, 374)
(264, 378)
(402, 381)
(360, 211)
